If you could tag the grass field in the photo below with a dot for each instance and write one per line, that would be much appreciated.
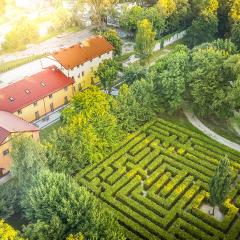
(44, 133)
(157, 180)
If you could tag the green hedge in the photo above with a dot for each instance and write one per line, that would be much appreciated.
(156, 181)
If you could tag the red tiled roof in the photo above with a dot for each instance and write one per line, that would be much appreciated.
(81, 53)
(9, 123)
(31, 89)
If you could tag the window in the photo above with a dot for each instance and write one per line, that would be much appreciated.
(37, 116)
(79, 87)
(43, 84)
(5, 152)
(79, 75)
(65, 100)
(52, 107)
(82, 73)
(91, 60)
(11, 99)
(35, 104)
(50, 96)
(19, 111)
(66, 88)
(99, 56)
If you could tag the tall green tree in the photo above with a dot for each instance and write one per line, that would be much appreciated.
(130, 18)
(220, 183)
(9, 198)
(113, 37)
(135, 104)
(28, 158)
(235, 34)
(169, 76)
(55, 194)
(203, 29)
(208, 85)
(145, 40)
(157, 20)
(107, 73)
(89, 134)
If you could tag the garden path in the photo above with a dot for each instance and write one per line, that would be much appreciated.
(200, 126)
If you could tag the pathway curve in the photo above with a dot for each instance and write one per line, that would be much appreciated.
(200, 126)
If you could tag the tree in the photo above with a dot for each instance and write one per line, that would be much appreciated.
(181, 17)
(113, 37)
(169, 76)
(208, 85)
(203, 29)
(235, 34)
(157, 20)
(235, 11)
(135, 104)
(28, 158)
(107, 73)
(7, 232)
(167, 7)
(15, 39)
(130, 18)
(220, 183)
(78, 236)
(42, 230)
(90, 132)
(9, 198)
(62, 19)
(145, 40)
(133, 73)
(100, 8)
(55, 194)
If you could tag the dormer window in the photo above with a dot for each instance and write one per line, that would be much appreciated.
(11, 99)
(27, 91)
(43, 84)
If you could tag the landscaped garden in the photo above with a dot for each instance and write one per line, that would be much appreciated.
(158, 181)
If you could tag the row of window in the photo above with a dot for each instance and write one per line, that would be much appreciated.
(36, 103)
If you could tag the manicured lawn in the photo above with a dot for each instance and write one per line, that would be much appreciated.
(44, 133)
(157, 180)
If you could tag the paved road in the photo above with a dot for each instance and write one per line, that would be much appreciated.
(48, 46)
(200, 126)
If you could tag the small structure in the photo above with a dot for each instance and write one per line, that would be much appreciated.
(11, 125)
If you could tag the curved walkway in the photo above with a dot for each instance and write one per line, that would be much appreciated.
(200, 126)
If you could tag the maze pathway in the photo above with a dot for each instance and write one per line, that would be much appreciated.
(157, 180)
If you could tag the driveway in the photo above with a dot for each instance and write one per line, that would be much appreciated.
(61, 41)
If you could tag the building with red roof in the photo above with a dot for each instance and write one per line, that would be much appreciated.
(81, 60)
(37, 95)
(11, 125)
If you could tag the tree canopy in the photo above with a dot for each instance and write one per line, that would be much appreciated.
(145, 40)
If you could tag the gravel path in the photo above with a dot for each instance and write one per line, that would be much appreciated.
(200, 126)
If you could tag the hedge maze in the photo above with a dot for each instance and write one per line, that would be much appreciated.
(157, 180)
